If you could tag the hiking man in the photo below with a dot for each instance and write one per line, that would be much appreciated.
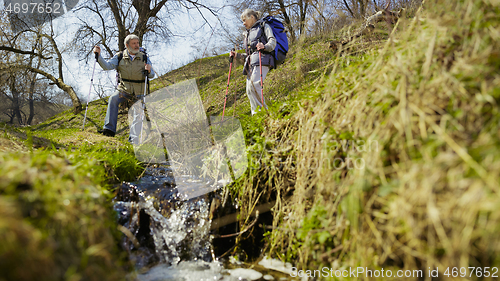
(132, 65)
(257, 39)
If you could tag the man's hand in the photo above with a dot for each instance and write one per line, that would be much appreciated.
(97, 49)
(147, 67)
(260, 46)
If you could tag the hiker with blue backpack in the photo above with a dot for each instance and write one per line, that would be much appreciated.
(134, 68)
(261, 54)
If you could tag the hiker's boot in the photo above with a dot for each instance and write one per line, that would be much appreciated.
(106, 132)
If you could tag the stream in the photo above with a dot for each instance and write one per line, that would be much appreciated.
(166, 216)
(170, 238)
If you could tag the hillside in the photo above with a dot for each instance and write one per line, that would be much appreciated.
(382, 155)
(391, 158)
(43, 110)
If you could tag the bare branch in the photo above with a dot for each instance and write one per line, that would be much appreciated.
(387, 6)
(349, 9)
(17, 51)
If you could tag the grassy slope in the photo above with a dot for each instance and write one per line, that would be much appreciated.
(429, 97)
(422, 111)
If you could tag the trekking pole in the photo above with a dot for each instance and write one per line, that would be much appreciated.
(144, 103)
(88, 98)
(227, 88)
(234, 104)
(261, 82)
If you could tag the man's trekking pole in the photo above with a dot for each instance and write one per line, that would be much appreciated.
(146, 87)
(227, 88)
(88, 98)
(144, 102)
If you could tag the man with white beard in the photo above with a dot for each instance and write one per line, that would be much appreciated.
(131, 64)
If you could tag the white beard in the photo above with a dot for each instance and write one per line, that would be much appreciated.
(131, 51)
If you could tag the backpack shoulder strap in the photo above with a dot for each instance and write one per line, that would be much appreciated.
(263, 23)
(120, 56)
(267, 20)
(262, 26)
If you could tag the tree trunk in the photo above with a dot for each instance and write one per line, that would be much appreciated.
(32, 93)
(349, 9)
(31, 102)
(303, 12)
(11, 116)
(16, 104)
(122, 31)
(288, 22)
(145, 13)
(362, 8)
(77, 105)
(143, 10)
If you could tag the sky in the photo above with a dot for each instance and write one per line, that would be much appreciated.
(164, 57)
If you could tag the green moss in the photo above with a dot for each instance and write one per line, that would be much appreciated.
(57, 218)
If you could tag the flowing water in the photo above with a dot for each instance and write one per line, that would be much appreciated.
(169, 238)
(166, 216)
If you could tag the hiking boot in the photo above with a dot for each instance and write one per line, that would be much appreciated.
(106, 132)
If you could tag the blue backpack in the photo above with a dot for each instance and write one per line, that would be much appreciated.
(281, 39)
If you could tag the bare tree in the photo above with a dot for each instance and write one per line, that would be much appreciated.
(326, 17)
(144, 18)
(357, 8)
(17, 57)
(56, 80)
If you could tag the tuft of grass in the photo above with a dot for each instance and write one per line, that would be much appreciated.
(119, 163)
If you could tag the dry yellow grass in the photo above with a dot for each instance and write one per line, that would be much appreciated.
(427, 194)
